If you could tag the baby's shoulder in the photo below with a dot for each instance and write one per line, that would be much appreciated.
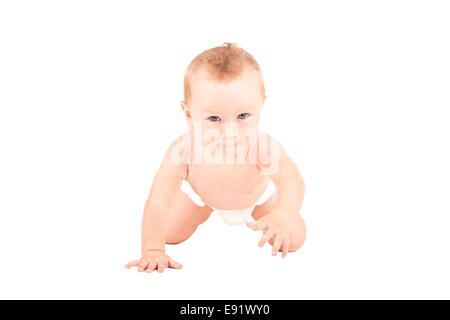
(267, 146)
(269, 153)
(177, 154)
(181, 141)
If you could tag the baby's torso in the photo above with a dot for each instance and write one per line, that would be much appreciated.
(227, 186)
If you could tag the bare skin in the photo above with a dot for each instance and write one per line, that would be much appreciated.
(170, 216)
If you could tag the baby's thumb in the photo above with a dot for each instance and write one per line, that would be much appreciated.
(174, 264)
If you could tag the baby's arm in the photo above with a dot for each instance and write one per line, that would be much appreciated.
(283, 222)
(274, 162)
(289, 183)
(157, 208)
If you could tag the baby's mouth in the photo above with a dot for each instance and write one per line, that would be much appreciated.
(229, 142)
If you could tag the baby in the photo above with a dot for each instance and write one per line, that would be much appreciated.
(223, 164)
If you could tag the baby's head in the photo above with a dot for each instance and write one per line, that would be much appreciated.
(224, 90)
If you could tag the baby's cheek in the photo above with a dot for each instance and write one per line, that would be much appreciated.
(206, 126)
(251, 124)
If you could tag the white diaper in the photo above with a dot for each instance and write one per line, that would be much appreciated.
(231, 217)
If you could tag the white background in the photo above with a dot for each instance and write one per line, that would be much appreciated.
(358, 94)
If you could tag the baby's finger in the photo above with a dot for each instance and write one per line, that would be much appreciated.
(267, 235)
(285, 248)
(174, 264)
(161, 266)
(260, 225)
(134, 263)
(151, 266)
(142, 265)
(251, 225)
(276, 245)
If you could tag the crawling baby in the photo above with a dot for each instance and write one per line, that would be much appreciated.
(223, 164)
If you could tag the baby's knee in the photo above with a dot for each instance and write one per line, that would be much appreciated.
(297, 242)
(178, 235)
(175, 240)
(295, 246)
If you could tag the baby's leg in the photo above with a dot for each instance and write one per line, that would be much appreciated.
(298, 227)
(185, 217)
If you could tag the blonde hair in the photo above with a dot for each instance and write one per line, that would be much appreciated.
(223, 63)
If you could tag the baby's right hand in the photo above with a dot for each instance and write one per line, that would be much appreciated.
(154, 260)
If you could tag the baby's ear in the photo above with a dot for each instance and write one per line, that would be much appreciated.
(183, 105)
(264, 100)
(186, 112)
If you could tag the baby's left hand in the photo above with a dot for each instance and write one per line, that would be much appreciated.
(274, 225)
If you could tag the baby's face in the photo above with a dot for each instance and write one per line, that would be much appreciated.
(228, 108)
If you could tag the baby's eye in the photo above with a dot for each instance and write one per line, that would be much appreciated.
(214, 118)
(243, 115)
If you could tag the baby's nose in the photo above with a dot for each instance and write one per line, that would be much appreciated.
(231, 131)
